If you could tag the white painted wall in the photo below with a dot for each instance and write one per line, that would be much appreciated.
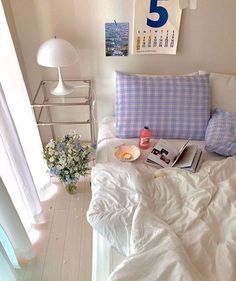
(207, 41)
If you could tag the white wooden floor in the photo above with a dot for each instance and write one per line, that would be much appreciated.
(64, 246)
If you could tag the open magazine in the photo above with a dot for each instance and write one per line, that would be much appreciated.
(164, 154)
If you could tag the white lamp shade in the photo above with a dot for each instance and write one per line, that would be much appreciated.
(56, 52)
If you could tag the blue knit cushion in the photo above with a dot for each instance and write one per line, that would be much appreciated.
(221, 133)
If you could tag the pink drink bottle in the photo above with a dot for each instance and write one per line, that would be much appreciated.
(144, 138)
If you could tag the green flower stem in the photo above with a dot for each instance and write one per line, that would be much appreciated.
(71, 188)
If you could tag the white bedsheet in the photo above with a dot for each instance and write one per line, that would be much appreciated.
(107, 142)
(178, 226)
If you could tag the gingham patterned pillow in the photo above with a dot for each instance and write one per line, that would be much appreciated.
(221, 133)
(171, 106)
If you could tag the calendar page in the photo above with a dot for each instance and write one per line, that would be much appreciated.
(156, 26)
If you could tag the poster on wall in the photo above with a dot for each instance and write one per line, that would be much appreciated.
(156, 26)
(117, 38)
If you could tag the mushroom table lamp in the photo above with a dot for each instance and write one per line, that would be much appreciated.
(57, 52)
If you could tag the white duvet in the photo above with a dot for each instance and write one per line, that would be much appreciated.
(177, 226)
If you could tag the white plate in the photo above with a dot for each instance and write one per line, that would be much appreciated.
(127, 153)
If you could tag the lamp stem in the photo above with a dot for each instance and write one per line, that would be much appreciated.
(61, 89)
(60, 80)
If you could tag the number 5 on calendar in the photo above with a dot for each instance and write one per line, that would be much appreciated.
(160, 12)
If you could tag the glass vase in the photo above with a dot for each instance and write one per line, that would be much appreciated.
(71, 188)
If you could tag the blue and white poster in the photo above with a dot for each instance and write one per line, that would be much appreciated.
(156, 26)
(117, 39)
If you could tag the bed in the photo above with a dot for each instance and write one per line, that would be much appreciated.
(164, 224)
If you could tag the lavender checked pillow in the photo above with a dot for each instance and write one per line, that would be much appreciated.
(221, 133)
(171, 106)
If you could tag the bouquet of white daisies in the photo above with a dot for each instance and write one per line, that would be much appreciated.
(67, 159)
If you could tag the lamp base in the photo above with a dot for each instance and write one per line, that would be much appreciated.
(62, 90)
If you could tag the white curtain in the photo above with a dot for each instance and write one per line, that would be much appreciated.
(19, 168)
(15, 245)
(7, 272)
(13, 227)
(18, 102)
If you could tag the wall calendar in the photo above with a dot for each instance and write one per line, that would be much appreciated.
(156, 26)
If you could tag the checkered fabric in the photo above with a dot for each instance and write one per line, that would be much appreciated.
(221, 133)
(171, 106)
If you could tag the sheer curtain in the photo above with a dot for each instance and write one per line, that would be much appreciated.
(18, 102)
(7, 272)
(15, 245)
(22, 168)
(20, 171)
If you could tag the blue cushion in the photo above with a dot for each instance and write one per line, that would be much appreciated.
(221, 133)
(171, 106)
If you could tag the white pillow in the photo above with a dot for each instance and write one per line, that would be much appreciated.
(223, 91)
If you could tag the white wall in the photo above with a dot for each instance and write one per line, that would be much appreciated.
(207, 41)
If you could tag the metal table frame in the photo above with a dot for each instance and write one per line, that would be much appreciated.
(89, 100)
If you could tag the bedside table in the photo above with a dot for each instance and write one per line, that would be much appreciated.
(52, 111)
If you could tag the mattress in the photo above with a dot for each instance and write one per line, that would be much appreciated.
(107, 142)
(105, 257)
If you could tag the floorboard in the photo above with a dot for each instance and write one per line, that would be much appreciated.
(64, 246)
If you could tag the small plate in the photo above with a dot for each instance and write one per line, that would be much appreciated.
(127, 153)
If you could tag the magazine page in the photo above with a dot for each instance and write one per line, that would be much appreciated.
(163, 154)
(152, 163)
(186, 157)
(180, 152)
(196, 162)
